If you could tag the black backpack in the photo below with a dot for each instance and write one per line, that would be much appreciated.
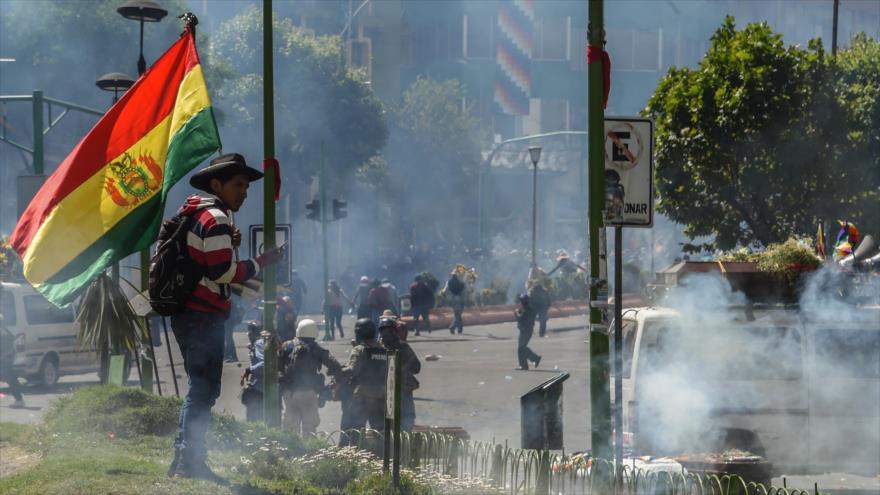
(456, 286)
(173, 274)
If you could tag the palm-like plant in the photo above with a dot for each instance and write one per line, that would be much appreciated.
(107, 321)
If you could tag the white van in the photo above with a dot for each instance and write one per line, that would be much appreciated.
(804, 395)
(45, 336)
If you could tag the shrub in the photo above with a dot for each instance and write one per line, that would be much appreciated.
(125, 412)
(381, 484)
(227, 432)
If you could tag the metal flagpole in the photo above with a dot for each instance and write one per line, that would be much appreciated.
(271, 404)
(600, 399)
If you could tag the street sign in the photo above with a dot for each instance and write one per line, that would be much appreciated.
(629, 172)
(389, 386)
(282, 236)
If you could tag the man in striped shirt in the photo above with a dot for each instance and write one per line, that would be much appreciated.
(211, 242)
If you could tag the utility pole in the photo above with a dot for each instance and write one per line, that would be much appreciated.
(322, 186)
(271, 404)
(834, 29)
(600, 397)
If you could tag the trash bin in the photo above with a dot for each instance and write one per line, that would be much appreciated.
(541, 415)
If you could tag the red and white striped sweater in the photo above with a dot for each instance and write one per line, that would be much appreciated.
(209, 242)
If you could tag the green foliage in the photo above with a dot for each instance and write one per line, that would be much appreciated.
(227, 433)
(14, 432)
(107, 322)
(435, 145)
(495, 294)
(762, 141)
(787, 260)
(381, 484)
(316, 98)
(124, 412)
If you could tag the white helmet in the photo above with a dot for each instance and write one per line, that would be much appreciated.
(307, 329)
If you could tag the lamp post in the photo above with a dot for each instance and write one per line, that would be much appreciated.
(142, 11)
(116, 82)
(145, 11)
(535, 155)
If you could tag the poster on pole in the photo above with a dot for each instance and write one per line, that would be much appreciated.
(629, 172)
(282, 236)
(389, 386)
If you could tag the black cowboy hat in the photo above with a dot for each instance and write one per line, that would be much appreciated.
(223, 167)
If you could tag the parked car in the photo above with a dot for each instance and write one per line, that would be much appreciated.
(45, 336)
(803, 394)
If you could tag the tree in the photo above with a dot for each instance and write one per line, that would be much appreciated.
(317, 97)
(435, 145)
(763, 141)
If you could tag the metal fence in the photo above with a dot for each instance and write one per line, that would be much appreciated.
(534, 472)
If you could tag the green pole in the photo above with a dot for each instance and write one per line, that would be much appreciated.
(322, 186)
(271, 404)
(600, 397)
(38, 132)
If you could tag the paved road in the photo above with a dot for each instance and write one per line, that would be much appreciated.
(473, 385)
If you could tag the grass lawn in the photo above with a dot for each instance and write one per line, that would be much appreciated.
(111, 440)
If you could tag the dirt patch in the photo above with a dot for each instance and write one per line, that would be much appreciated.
(15, 459)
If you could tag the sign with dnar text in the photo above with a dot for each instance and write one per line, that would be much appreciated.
(629, 172)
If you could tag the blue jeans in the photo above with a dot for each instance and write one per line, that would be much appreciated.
(201, 337)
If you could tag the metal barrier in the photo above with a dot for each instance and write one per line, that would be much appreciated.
(534, 472)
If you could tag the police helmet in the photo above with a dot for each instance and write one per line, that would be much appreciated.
(307, 329)
(524, 299)
(364, 329)
(387, 322)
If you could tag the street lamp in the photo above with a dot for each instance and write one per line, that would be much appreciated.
(143, 11)
(535, 155)
(116, 82)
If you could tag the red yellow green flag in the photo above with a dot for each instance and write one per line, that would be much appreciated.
(106, 199)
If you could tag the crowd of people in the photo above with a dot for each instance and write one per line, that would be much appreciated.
(359, 385)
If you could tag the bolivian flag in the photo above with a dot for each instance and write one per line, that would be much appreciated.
(106, 199)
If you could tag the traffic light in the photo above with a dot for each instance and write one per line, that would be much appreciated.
(314, 210)
(339, 209)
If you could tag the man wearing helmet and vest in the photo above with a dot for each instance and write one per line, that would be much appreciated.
(366, 371)
(393, 333)
(303, 381)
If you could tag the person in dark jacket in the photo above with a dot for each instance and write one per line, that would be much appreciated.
(540, 301)
(455, 288)
(378, 299)
(360, 300)
(366, 372)
(298, 291)
(252, 376)
(200, 329)
(393, 333)
(525, 323)
(422, 300)
(303, 382)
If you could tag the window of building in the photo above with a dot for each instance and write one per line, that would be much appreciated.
(478, 36)
(39, 311)
(551, 38)
(554, 115)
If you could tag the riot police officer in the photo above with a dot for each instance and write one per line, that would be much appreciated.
(366, 372)
(303, 381)
(393, 333)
